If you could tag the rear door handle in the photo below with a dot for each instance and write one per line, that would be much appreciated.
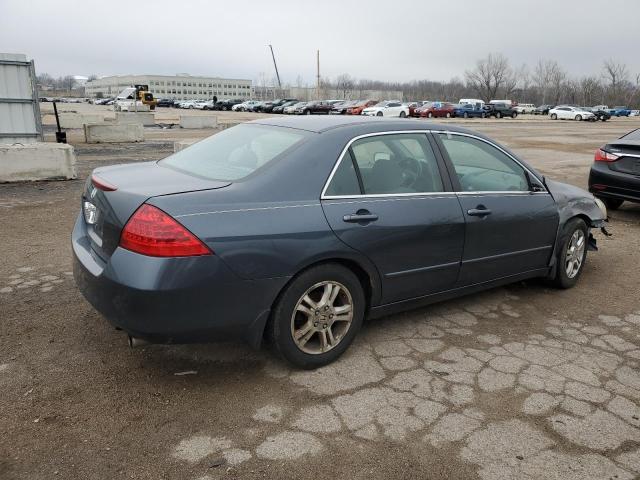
(360, 217)
(478, 212)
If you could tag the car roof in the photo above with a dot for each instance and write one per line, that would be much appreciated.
(323, 123)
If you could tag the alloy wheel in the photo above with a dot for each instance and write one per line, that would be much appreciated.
(322, 317)
(575, 253)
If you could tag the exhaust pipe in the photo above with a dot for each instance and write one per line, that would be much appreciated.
(136, 342)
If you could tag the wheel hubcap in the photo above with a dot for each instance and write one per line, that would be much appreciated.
(575, 253)
(322, 317)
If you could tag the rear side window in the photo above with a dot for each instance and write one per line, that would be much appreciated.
(236, 152)
(387, 165)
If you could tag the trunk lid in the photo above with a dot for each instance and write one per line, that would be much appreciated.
(135, 184)
(629, 153)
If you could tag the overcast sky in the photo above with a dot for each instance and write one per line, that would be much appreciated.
(397, 40)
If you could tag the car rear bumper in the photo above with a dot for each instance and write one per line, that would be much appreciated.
(604, 182)
(172, 300)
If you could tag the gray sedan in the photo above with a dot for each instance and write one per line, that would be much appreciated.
(297, 229)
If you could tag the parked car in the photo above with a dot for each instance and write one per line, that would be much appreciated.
(225, 105)
(500, 110)
(245, 106)
(280, 108)
(361, 105)
(291, 109)
(165, 102)
(412, 107)
(341, 108)
(436, 109)
(619, 112)
(543, 109)
(470, 110)
(634, 113)
(255, 107)
(601, 115)
(565, 112)
(204, 105)
(267, 107)
(313, 108)
(471, 101)
(314, 262)
(387, 109)
(189, 104)
(525, 108)
(615, 173)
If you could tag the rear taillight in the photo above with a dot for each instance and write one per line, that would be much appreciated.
(603, 156)
(152, 232)
(101, 184)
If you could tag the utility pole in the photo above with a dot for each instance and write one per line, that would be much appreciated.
(318, 75)
(276, 67)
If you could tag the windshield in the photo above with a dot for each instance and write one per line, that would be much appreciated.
(234, 153)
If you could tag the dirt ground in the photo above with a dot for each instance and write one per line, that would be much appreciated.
(522, 382)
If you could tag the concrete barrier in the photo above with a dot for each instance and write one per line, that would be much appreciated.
(37, 161)
(79, 120)
(225, 125)
(143, 118)
(119, 132)
(198, 121)
(182, 144)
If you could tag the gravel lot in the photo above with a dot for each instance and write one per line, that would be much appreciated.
(522, 382)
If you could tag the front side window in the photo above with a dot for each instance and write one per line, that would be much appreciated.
(387, 165)
(481, 167)
(236, 152)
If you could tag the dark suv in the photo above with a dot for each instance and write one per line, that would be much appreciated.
(543, 109)
(227, 104)
(499, 110)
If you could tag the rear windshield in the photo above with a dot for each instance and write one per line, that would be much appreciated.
(632, 135)
(236, 152)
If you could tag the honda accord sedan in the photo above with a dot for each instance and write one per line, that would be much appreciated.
(297, 229)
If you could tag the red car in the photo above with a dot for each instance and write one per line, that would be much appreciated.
(358, 107)
(436, 109)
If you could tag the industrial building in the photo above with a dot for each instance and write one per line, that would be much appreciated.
(181, 86)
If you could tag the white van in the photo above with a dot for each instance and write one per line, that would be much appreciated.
(471, 101)
(525, 108)
(508, 103)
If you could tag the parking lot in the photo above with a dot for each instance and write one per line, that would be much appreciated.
(521, 382)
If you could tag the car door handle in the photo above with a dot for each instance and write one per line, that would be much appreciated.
(360, 217)
(478, 212)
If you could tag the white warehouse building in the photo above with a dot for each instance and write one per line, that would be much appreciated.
(181, 87)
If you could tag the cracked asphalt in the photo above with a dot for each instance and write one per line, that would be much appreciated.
(522, 382)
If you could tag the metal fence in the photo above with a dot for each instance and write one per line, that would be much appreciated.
(20, 120)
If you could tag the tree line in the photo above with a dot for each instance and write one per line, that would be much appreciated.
(493, 77)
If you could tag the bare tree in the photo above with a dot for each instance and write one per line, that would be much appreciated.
(589, 89)
(616, 77)
(344, 84)
(489, 75)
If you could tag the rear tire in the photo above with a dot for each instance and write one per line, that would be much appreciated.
(612, 203)
(465, 115)
(403, 115)
(514, 115)
(429, 115)
(379, 114)
(498, 115)
(448, 115)
(572, 253)
(578, 118)
(292, 316)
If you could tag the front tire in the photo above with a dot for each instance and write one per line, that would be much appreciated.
(429, 115)
(572, 253)
(308, 112)
(554, 116)
(379, 114)
(448, 115)
(318, 315)
(466, 115)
